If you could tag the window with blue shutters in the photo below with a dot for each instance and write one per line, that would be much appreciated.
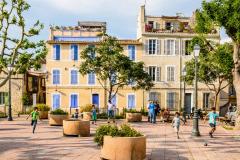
(74, 101)
(56, 76)
(55, 101)
(132, 52)
(91, 78)
(131, 101)
(114, 100)
(56, 52)
(74, 77)
(74, 52)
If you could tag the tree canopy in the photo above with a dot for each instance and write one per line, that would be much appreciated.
(224, 14)
(113, 69)
(17, 47)
(214, 66)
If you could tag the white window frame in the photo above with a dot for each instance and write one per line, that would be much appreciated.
(174, 75)
(155, 52)
(77, 99)
(135, 97)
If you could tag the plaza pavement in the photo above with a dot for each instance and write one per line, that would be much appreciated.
(18, 143)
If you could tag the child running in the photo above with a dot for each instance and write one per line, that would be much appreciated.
(94, 114)
(212, 121)
(35, 116)
(176, 123)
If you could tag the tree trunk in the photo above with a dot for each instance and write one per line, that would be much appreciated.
(216, 100)
(236, 81)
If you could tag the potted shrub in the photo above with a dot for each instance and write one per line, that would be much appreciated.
(123, 143)
(76, 127)
(132, 115)
(86, 111)
(43, 111)
(57, 116)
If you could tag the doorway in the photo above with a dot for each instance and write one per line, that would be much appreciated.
(95, 100)
(188, 102)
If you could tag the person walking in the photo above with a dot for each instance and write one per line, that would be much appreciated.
(151, 110)
(176, 123)
(35, 116)
(94, 114)
(213, 116)
(110, 111)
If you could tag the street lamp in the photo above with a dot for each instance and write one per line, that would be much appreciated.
(195, 130)
(184, 73)
(10, 68)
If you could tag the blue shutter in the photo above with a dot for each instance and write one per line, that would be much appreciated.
(56, 54)
(114, 100)
(74, 75)
(131, 101)
(56, 77)
(91, 78)
(74, 101)
(56, 101)
(75, 52)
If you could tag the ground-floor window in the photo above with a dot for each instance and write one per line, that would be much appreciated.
(206, 97)
(170, 100)
(55, 101)
(3, 95)
(74, 101)
(154, 96)
(131, 101)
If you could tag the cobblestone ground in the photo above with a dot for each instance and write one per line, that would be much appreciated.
(17, 142)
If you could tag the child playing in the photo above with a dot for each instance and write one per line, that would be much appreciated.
(212, 121)
(35, 116)
(176, 123)
(76, 114)
(94, 114)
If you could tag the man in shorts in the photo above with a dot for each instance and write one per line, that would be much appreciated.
(212, 120)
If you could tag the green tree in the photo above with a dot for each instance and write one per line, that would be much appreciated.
(16, 47)
(225, 14)
(113, 69)
(214, 66)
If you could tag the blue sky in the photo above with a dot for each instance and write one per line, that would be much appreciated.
(120, 15)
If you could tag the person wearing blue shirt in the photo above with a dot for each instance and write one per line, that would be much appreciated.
(212, 120)
(151, 110)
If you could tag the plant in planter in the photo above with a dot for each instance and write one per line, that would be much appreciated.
(123, 142)
(43, 111)
(57, 116)
(86, 111)
(132, 115)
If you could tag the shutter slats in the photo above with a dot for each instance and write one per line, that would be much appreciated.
(146, 46)
(158, 47)
(176, 47)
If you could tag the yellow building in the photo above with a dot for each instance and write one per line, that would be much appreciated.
(160, 44)
(66, 88)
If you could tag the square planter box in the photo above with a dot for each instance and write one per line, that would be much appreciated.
(43, 114)
(124, 148)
